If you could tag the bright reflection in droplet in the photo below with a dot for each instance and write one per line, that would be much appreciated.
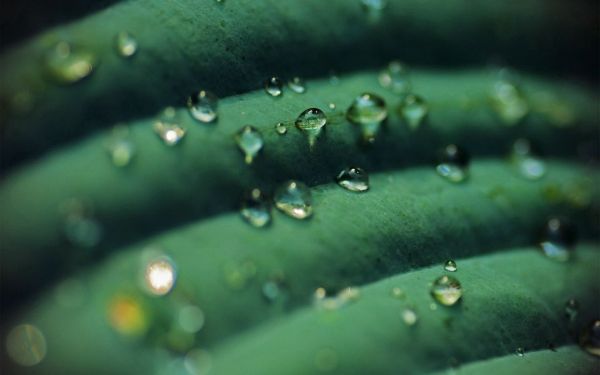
(160, 276)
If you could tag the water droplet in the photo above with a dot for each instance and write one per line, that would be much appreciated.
(446, 290)
(571, 309)
(81, 227)
(120, 148)
(271, 290)
(126, 44)
(191, 318)
(326, 360)
(395, 77)
(334, 79)
(508, 102)
(319, 294)
(168, 128)
(413, 110)
(280, 128)
(294, 199)
(255, 209)
(160, 276)
(528, 164)
(398, 293)
(332, 106)
(349, 294)
(450, 266)
(520, 352)
(239, 274)
(126, 316)
(368, 111)
(589, 339)
(297, 85)
(311, 121)
(67, 64)
(26, 345)
(453, 163)
(273, 86)
(353, 179)
(558, 240)
(409, 317)
(250, 141)
(203, 106)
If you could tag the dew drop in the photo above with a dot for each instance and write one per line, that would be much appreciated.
(413, 109)
(160, 276)
(203, 106)
(126, 44)
(168, 128)
(67, 64)
(409, 316)
(571, 309)
(589, 339)
(294, 199)
(353, 179)
(250, 141)
(272, 290)
(332, 106)
(446, 290)
(312, 122)
(255, 209)
(297, 85)
(239, 274)
(280, 128)
(450, 266)
(527, 163)
(520, 352)
(120, 148)
(558, 240)
(397, 293)
(368, 111)
(26, 345)
(319, 294)
(508, 102)
(453, 163)
(191, 318)
(273, 86)
(126, 316)
(395, 77)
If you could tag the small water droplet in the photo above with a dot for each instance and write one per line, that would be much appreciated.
(349, 294)
(446, 290)
(255, 209)
(589, 339)
(332, 106)
(571, 309)
(508, 102)
(168, 128)
(368, 111)
(311, 121)
(270, 290)
(413, 109)
(520, 352)
(120, 148)
(334, 79)
(528, 164)
(126, 316)
(395, 77)
(239, 274)
(203, 106)
(294, 199)
(68, 64)
(453, 163)
(191, 318)
(297, 85)
(450, 266)
(126, 44)
(409, 316)
(398, 293)
(250, 141)
(26, 345)
(558, 240)
(280, 128)
(353, 179)
(160, 276)
(319, 294)
(326, 360)
(273, 86)
(81, 227)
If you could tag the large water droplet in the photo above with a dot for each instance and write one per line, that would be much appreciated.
(450, 266)
(250, 141)
(528, 164)
(395, 77)
(508, 102)
(160, 276)
(294, 199)
(589, 339)
(280, 128)
(453, 163)
(120, 148)
(67, 64)
(368, 111)
(273, 86)
(558, 240)
(126, 44)
(353, 179)
(409, 316)
(203, 106)
(167, 127)
(571, 309)
(413, 110)
(255, 209)
(26, 345)
(446, 290)
(311, 121)
(297, 85)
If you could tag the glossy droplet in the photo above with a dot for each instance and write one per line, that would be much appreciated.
(126, 44)
(297, 85)
(68, 64)
(311, 121)
(331, 106)
(353, 179)
(126, 316)
(191, 318)
(413, 109)
(520, 352)
(319, 294)
(409, 317)
(558, 240)
(280, 128)
(167, 127)
(271, 290)
(250, 141)
(398, 293)
(589, 339)
(255, 209)
(294, 199)
(524, 159)
(120, 148)
(273, 86)
(26, 345)
(450, 266)
(453, 163)
(81, 228)
(368, 111)
(571, 310)
(203, 106)
(160, 276)
(508, 102)
(395, 77)
(446, 290)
